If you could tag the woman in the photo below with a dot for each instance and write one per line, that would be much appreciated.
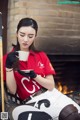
(29, 86)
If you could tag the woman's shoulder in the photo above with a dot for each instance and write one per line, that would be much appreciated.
(5, 55)
(41, 53)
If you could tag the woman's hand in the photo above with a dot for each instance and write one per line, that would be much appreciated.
(11, 59)
(30, 74)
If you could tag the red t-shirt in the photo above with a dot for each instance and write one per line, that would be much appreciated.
(39, 62)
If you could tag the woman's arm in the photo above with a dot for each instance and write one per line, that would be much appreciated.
(47, 82)
(8, 63)
(10, 81)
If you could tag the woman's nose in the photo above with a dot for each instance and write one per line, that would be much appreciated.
(26, 38)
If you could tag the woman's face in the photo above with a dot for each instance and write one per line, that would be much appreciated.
(26, 36)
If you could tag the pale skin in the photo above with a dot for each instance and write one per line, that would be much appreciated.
(26, 36)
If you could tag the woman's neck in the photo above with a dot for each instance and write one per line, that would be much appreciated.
(24, 50)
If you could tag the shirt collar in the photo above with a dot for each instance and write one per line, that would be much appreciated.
(31, 52)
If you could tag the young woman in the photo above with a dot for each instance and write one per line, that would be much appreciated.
(39, 73)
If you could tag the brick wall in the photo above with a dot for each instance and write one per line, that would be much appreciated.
(59, 25)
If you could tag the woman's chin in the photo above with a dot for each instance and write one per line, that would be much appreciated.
(25, 47)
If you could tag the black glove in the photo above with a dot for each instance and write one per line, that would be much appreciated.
(11, 59)
(30, 74)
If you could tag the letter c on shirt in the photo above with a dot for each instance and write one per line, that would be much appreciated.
(29, 91)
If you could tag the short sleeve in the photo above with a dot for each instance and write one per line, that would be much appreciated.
(48, 66)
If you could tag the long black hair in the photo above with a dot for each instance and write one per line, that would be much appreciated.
(26, 22)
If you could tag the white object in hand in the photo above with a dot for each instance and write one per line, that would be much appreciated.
(27, 71)
(23, 55)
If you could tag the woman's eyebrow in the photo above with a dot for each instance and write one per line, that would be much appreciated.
(30, 34)
(22, 32)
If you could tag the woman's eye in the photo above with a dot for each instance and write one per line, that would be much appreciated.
(22, 35)
(30, 36)
(27, 36)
